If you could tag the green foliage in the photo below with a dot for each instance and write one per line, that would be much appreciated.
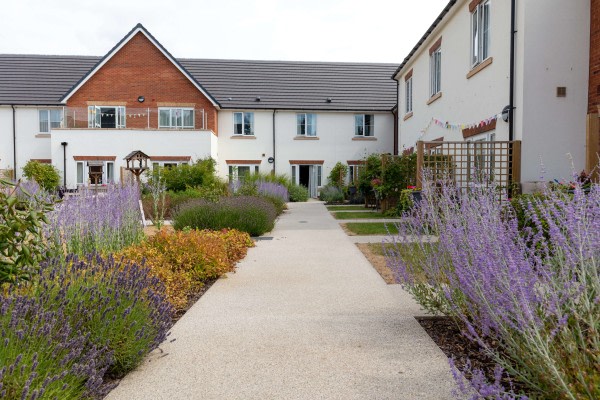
(46, 175)
(181, 177)
(371, 171)
(358, 215)
(405, 201)
(22, 244)
(268, 177)
(337, 176)
(298, 193)
(372, 228)
(210, 192)
(331, 194)
(254, 215)
(521, 204)
(398, 173)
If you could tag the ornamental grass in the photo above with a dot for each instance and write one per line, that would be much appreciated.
(185, 260)
(529, 297)
(93, 222)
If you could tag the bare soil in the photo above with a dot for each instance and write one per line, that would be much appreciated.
(378, 262)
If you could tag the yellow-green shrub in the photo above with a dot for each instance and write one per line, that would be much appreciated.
(183, 260)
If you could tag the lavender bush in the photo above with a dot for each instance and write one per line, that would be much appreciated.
(530, 299)
(97, 222)
(254, 215)
(276, 193)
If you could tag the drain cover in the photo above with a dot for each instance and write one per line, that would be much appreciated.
(263, 238)
(303, 222)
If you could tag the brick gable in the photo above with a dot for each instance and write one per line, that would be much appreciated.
(140, 69)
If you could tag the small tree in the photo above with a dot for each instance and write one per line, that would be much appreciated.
(337, 176)
(46, 175)
(22, 244)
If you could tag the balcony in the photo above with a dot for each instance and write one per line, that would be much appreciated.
(121, 117)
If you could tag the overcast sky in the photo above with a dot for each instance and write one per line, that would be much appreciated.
(307, 30)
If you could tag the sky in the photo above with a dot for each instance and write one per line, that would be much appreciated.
(301, 30)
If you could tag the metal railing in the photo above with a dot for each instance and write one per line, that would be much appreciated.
(121, 117)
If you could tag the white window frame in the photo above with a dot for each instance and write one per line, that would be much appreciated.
(162, 164)
(80, 167)
(408, 95)
(309, 127)
(480, 33)
(360, 125)
(435, 72)
(173, 110)
(243, 118)
(49, 122)
(234, 168)
(354, 172)
(95, 117)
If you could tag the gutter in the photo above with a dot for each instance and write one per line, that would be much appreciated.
(14, 124)
(511, 96)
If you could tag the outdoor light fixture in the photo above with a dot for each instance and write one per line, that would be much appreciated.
(505, 113)
(141, 99)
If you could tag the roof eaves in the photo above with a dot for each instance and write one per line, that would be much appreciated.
(437, 21)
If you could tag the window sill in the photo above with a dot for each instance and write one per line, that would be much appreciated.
(434, 98)
(368, 138)
(407, 116)
(300, 137)
(42, 135)
(475, 70)
(243, 137)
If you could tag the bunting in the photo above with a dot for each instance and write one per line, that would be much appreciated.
(460, 127)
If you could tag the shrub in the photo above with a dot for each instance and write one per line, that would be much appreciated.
(118, 304)
(22, 244)
(211, 192)
(46, 175)
(530, 300)
(43, 357)
(298, 193)
(337, 176)
(331, 194)
(372, 170)
(103, 222)
(183, 260)
(398, 173)
(253, 215)
(180, 177)
(276, 193)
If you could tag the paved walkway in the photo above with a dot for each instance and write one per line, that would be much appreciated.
(386, 220)
(304, 317)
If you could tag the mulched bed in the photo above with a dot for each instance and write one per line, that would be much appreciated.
(446, 333)
(193, 298)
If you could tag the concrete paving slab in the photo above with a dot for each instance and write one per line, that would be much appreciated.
(304, 317)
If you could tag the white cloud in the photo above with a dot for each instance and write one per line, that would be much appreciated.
(327, 30)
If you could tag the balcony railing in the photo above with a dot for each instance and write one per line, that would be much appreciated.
(121, 117)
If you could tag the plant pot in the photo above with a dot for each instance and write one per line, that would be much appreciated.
(416, 194)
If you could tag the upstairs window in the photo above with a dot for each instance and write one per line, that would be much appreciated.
(364, 125)
(435, 71)
(106, 117)
(243, 123)
(306, 124)
(408, 94)
(50, 119)
(480, 32)
(176, 118)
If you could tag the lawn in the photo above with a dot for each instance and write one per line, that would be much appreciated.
(348, 208)
(371, 228)
(358, 215)
(411, 253)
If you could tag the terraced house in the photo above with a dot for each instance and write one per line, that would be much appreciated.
(85, 114)
(519, 70)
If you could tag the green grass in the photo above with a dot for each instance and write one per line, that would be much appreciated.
(358, 215)
(371, 228)
(348, 208)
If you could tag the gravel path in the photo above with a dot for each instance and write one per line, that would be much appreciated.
(304, 317)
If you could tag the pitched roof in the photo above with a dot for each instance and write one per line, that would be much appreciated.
(44, 80)
(40, 80)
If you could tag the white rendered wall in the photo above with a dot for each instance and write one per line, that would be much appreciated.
(463, 100)
(119, 143)
(31, 143)
(6, 138)
(556, 42)
(335, 134)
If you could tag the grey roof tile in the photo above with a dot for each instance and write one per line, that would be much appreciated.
(235, 84)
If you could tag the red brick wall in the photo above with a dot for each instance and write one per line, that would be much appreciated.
(140, 69)
(594, 92)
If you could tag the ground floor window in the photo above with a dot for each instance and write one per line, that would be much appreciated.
(167, 164)
(237, 173)
(95, 172)
(354, 172)
(482, 158)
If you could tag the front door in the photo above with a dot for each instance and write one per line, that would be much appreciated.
(308, 176)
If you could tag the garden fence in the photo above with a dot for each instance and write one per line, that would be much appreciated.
(469, 164)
